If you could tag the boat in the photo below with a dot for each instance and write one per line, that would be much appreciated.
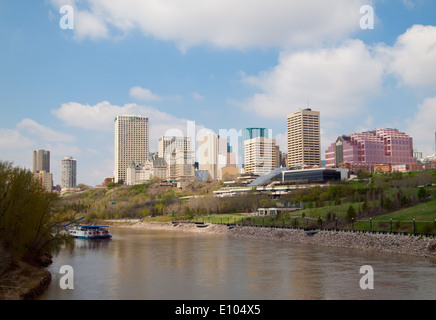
(92, 231)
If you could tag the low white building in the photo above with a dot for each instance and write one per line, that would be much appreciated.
(141, 173)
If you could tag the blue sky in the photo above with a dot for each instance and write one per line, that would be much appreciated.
(223, 64)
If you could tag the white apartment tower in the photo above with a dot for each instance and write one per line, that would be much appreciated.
(68, 173)
(260, 156)
(304, 138)
(131, 144)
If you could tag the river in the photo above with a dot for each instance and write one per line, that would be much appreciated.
(164, 265)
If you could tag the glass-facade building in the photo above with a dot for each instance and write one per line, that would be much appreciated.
(250, 133)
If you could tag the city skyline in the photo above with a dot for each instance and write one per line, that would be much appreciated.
(60, 90)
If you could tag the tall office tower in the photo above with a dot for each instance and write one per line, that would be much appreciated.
(304, 138)
(41, 161)
(260, 155)
(250, 133)
(131, 144)
(208, 153)
(68, 173)
(177, 150)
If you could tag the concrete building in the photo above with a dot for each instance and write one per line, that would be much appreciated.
(138, 174)
(260, 156)
(108, 180)
(418, 155)
(45, 179)
(304, 138)
(68, 173)
(229, 173)
(131, 143)
(250, 133)
(180, 165)
(160, 168)
(379, 147)
(179, 158)
(41, 161)
(207, 153)
(226, 157)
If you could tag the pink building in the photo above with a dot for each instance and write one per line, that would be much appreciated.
(382, 146)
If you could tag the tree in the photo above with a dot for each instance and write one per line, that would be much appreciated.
(421, 193)
(28, 214)
(351, 213)
(365, 205)
(363, 174)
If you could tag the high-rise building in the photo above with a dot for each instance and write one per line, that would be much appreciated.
(131, 144)
(208, 153)
(68, 173)
(45, 179)
(304, 138)
(41, 169)
(41, 161)
(260, 156)
(177, 153)
(250, 133)
(381, 146)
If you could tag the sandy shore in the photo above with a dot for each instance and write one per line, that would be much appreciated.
(397, 244)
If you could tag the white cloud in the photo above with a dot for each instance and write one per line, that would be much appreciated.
(409, 4)
(282, 142)
(197, 96)
(44, 133)
(17, 145)
(413, 57)
(336, 81)
(90, 25)
(422, 126)
(143, 94)
(222, 23)
(13, 139)
(100, 117)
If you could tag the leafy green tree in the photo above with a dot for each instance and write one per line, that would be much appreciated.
(422, 193)
(28, 214)
(363, 174)
(351, 213)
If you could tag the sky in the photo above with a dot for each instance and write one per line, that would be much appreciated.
(66, 74)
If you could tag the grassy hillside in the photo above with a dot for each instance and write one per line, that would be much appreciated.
(402, 197)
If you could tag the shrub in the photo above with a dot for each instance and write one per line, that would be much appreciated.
(351, 213)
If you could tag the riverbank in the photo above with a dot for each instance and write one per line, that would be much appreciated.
(21, 281)
(388, 243)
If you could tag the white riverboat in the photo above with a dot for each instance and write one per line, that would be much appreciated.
(90, 232)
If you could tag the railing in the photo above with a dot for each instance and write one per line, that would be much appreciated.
(396, 227)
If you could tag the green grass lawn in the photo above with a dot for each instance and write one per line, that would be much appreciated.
(402, 220)
(423, 212)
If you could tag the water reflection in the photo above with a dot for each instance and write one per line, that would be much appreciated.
(137, 264)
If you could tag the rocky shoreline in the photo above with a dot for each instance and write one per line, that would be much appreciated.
(387, 243)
